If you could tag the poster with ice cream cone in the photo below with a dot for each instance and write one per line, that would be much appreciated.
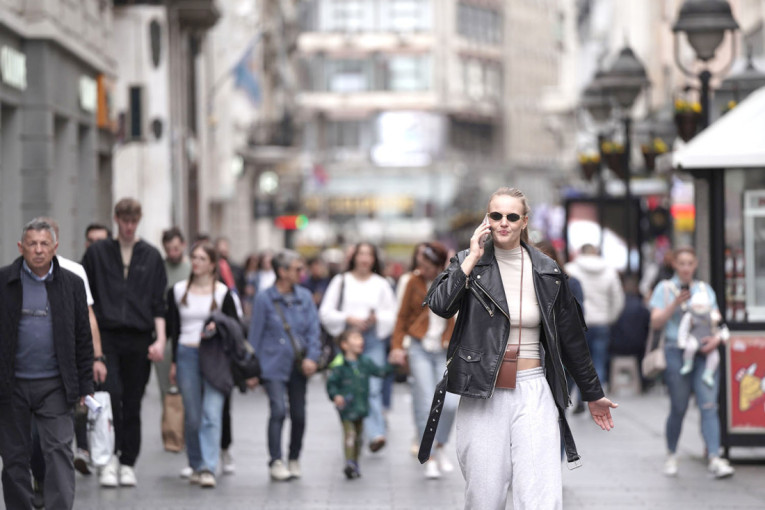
(746, 388)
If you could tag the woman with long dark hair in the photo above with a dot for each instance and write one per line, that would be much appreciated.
(190, 303)
(430, 336)
(361, 298)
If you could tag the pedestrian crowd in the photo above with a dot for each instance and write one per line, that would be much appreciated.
(493, 338)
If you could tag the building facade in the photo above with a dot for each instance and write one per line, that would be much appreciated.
(159, 154)
(404, 114)
(55, 142)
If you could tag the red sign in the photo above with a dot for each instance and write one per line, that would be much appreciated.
(746, 389)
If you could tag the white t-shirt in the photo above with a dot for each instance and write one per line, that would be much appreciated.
(71, 265)
(195, 312)
(359, 298)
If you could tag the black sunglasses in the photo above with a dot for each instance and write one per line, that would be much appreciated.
(512, 217)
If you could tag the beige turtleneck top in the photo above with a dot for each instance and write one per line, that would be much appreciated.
(529, 317)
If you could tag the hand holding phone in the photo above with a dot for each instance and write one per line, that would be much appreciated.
(486, 236)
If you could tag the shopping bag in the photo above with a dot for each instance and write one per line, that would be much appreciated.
(101, 430)
(172, 421)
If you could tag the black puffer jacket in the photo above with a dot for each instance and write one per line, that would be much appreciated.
(480, 335)
(71, 329)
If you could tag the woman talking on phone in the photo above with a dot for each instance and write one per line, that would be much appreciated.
(517, 330)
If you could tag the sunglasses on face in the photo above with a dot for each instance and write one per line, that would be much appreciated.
(512, 217)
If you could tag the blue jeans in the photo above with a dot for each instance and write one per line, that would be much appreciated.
(598, 338)
(427, 368)
(680, 388)
(278, 393)
(202, 410)
(374, 423)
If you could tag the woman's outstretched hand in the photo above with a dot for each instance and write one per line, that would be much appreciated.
(601, 413)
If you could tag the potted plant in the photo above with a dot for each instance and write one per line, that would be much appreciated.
(687, 117)
(613, 154)
(589, 163)
(651, 150)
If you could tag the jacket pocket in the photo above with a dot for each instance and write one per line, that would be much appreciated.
(469, 356)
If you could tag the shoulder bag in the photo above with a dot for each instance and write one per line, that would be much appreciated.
(655, 362)
(297, 346)
(329, 348)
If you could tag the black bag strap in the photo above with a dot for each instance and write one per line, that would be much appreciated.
(295, 343)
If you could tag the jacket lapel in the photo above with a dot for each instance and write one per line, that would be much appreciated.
(486, 274)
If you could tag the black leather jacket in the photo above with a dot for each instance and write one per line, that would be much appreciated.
(483, 325)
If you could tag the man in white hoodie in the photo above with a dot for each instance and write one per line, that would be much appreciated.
(603, 302)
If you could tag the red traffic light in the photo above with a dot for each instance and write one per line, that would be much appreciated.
(291, 222)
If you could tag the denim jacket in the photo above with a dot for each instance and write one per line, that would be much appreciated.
(271, 342)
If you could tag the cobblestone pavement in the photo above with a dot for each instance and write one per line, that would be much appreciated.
(622, 468)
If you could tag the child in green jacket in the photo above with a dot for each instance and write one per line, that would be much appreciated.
(348, 388)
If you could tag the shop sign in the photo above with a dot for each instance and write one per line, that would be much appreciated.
(746, 387)
(355, 205)
(104, 103)
(13, 66)
(88, 94)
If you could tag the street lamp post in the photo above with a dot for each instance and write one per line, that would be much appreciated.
(704, 22)
(737, 87)
(625, 81)
(599, 105)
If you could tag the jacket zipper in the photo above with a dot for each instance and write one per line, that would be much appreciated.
(491, 299)
(504, 344)
(560, 358)
(554, 331)
(480, 300)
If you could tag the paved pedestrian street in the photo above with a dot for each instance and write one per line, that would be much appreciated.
(622, 468)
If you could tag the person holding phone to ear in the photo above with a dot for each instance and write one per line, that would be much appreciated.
(518, 328)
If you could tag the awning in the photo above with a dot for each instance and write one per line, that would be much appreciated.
(736, 140)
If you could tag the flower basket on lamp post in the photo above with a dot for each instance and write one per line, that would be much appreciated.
(613, 155)
(651, 151)
(615, 161)
(589, 164)
(687, 118)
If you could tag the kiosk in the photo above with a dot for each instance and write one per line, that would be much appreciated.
(727, 161)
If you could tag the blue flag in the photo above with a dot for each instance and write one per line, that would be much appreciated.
(244, 77)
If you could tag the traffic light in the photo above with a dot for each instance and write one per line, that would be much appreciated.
(291, 222)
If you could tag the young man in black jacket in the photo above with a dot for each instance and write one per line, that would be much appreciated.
(127, 278)
(46, 365)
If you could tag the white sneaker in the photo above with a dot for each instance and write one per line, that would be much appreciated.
(294, 468)
(415, 448)
(670, 465)
(186, 472)
(444, 464)
(127, 476)
(720, 468)
(431, 470)
(109, 473)
(279, 472)
(227, 462)
(207, 480)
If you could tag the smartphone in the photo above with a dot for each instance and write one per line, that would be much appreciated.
(484, 237)
(685, 286)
